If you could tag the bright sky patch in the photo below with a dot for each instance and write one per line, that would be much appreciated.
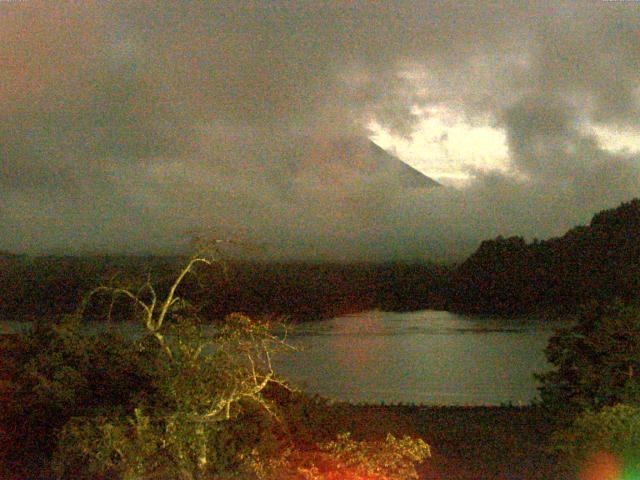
(446, 146)
(618, 141)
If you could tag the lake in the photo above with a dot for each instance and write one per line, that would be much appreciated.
(429, 357)
(424, 357)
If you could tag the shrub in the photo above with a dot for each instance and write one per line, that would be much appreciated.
(391, 459)
(203, 385)
(597, 361)
(611, 434)
(175, 403)
(55, 371)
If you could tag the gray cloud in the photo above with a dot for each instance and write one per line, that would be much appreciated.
(125, 125)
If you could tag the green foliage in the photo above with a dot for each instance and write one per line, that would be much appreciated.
(55, 371)
(599, 262)
(613, 431)
(188, 427)
(53, 285)
(595, 389)
(395, 458)
(307, 419)
(175, 403)
(146, 445)
(597, 361)
(391, 459)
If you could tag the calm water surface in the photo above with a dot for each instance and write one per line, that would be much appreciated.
(429, 357)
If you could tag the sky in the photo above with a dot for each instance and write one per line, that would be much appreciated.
(130, 126)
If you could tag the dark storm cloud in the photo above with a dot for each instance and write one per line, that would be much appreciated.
(126, 124)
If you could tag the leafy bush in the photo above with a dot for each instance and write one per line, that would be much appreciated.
(597, 361)
(202, 386)
(55, 371)
(595, 390)
(612, 433)
(175, 403)
(391, 459)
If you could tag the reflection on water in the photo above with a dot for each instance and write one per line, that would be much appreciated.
(429, 357)
(423, 357)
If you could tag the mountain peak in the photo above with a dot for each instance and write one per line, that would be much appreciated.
(408, 176)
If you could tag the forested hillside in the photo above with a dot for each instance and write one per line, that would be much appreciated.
(505, 276)
(51, 285)
(597, 262)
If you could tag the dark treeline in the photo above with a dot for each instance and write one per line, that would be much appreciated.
(505, 276)
(310, 291)
(595, 263)
(52, 285)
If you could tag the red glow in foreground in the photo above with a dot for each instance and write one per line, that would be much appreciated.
(602, 466)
